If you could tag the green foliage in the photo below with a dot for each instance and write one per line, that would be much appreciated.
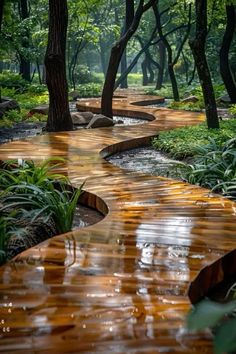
(29, 192)
(221, 318)
(12, 80)
(188, 106)
(27, 100)
(183, 142)
(27, 172)
(50, 202)
(215, 168)
(89, 90)
(232, 110)
(4, 236)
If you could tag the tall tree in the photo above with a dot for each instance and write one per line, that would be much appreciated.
(117, 52)
(225, 68)
(198, 47)
(24, 61)
(59, 118)
(1, 12)
(129, 15)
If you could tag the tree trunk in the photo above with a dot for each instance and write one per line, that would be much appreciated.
(107, 93)
(59, 118)
(197, 46)
(225, 69)
(144, 71)
(162, 55)
(116, 55)
(24, 61)
(123, 68)
(169, 54)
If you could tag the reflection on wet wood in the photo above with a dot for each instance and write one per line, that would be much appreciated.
(119, 286)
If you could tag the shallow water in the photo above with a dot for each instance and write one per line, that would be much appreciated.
(146, 160)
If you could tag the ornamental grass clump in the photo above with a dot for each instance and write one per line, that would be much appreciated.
(214, 168)
(32, 195)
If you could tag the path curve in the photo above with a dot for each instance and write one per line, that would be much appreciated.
(120, 286)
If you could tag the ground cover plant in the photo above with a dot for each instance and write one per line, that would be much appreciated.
(220, 318)
(183, 142)
(212, 154)
(33, 194)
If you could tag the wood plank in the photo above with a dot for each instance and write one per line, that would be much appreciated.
(121, 285)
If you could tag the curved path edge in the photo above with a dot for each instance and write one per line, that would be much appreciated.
(121, 285)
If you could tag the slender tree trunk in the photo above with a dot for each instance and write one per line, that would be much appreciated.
(169, 54)
(103, 56)
(162, 55)
(24, 61)
(123, 68)
(144, 71)
(116, 55)
(149, 68)
(225, 69)
(59, 118)
(197, 46)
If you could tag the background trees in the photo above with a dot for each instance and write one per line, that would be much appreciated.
(113, 44)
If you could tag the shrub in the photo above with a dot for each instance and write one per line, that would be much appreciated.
(31, 192)
(12, 80)
(183, 142)
(89, 90)
(220, 317)
(215, 168)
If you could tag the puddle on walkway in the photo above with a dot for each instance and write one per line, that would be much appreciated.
(146, 160)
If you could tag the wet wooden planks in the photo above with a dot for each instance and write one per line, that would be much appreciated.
(121, 285)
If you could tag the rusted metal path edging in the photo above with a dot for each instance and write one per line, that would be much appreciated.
(120, 286)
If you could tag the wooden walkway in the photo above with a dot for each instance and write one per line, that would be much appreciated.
(120, 286)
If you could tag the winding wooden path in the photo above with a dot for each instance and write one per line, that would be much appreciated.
(120, 286)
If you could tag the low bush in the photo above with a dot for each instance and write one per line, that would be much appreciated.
(183, 142)
(214, 168)
(29, 193)
(219, 317)
(12, 80)
(89, 90)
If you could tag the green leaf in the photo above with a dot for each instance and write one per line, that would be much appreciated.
(225, 338)
(207, 314)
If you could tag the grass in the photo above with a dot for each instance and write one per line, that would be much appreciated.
(184, 142)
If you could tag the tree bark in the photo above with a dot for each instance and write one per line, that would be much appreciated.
(162, 62)
(59, 118)
(24, 61)
(123, 68)
(225, 68)
(116, 55)
(144, 71)
(169, 54)
(197, 46)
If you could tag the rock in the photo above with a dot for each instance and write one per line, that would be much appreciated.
(9, 104)
(190, 99)
(225, 99)
(43, 109)
(86, 115)
(120, 122)
(79, 119)
(99, 121)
